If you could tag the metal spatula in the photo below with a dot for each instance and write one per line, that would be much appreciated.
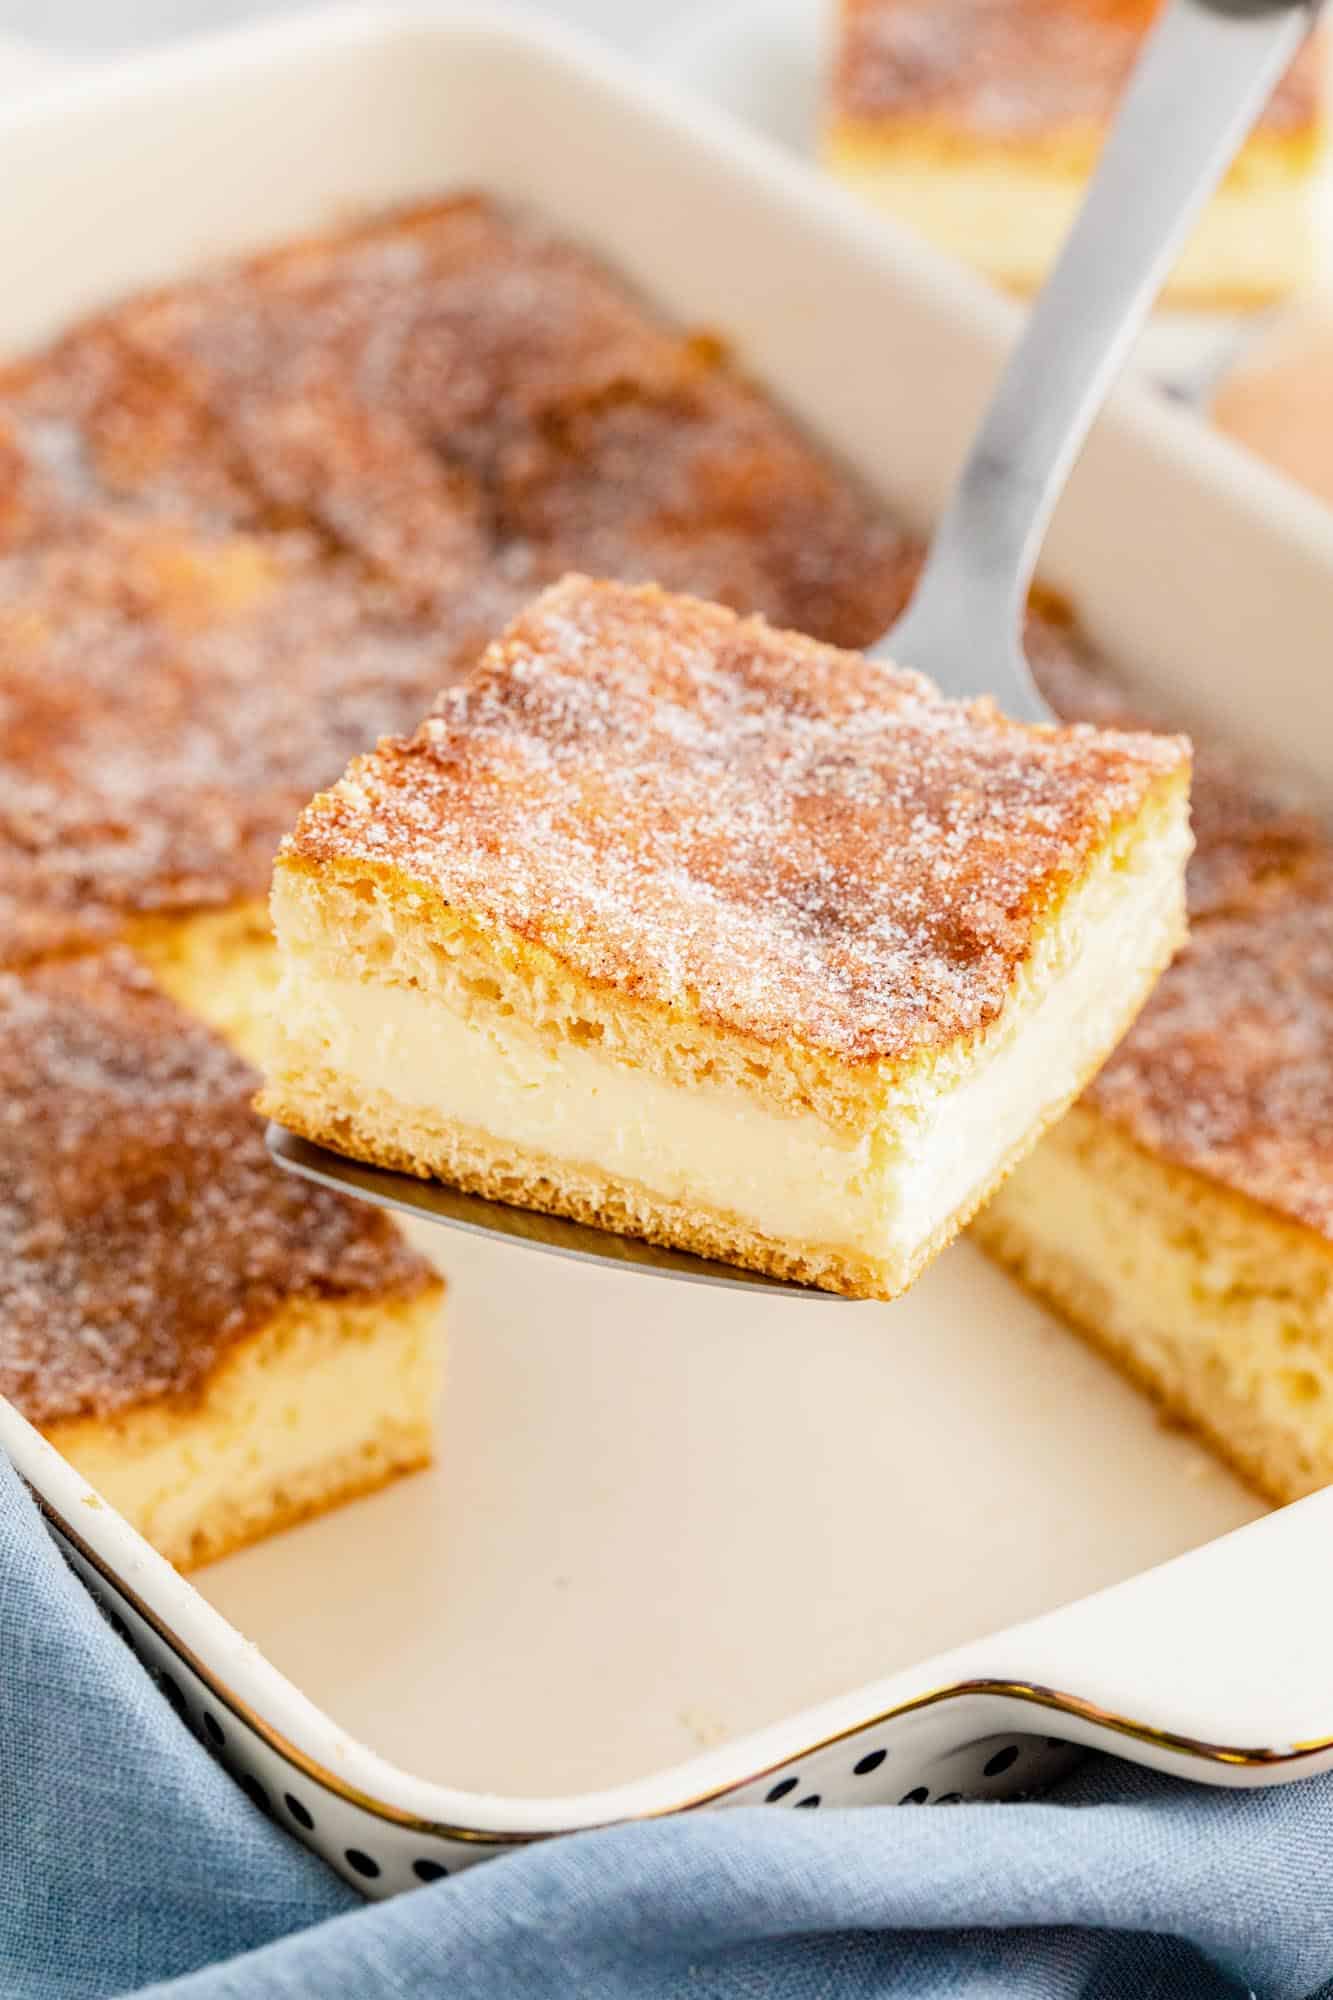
(1206, 73)
(1204, 76)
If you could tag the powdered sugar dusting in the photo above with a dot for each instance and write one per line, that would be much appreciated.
(143, 1228)
(741, 823)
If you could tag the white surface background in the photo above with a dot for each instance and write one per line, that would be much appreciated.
(96, 26)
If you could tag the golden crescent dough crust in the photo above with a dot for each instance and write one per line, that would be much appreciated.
(775, 838)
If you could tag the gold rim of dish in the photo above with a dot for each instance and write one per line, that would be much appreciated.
(1049, 1700)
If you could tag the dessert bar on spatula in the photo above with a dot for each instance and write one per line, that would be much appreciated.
(701, 931)
(722, 938)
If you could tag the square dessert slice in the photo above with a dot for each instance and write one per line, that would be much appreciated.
(977, 122)
(1182, 1214)
(709, 933)
(219, 1350)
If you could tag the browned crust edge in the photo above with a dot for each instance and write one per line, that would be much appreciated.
(1067, 151)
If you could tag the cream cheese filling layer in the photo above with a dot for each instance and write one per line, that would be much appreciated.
(1010, 220)
(328, 1391)
(880, 1191)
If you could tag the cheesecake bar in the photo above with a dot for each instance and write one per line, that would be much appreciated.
(977, 122)
(708, 933)
(220, 1350)
(1182, 1214)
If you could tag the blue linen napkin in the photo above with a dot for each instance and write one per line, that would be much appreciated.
(130, 1863)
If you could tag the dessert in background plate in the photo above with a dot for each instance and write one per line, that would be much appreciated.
(1183, 1212)
(706, 932)
(219, 1351)
(977, 123)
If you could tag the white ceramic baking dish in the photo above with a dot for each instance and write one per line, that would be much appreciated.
(663, 1519)
(767, 64)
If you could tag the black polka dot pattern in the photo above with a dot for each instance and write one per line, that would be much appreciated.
(952, 1777)
(171, 1688)
(255, 1792)
(836, 1767)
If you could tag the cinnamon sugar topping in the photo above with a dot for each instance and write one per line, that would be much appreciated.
(741, 823)
(1014, 68)
(143, 1228)
(1229, 1069)
(251, 523)
(169, 701)
(1253, 834)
